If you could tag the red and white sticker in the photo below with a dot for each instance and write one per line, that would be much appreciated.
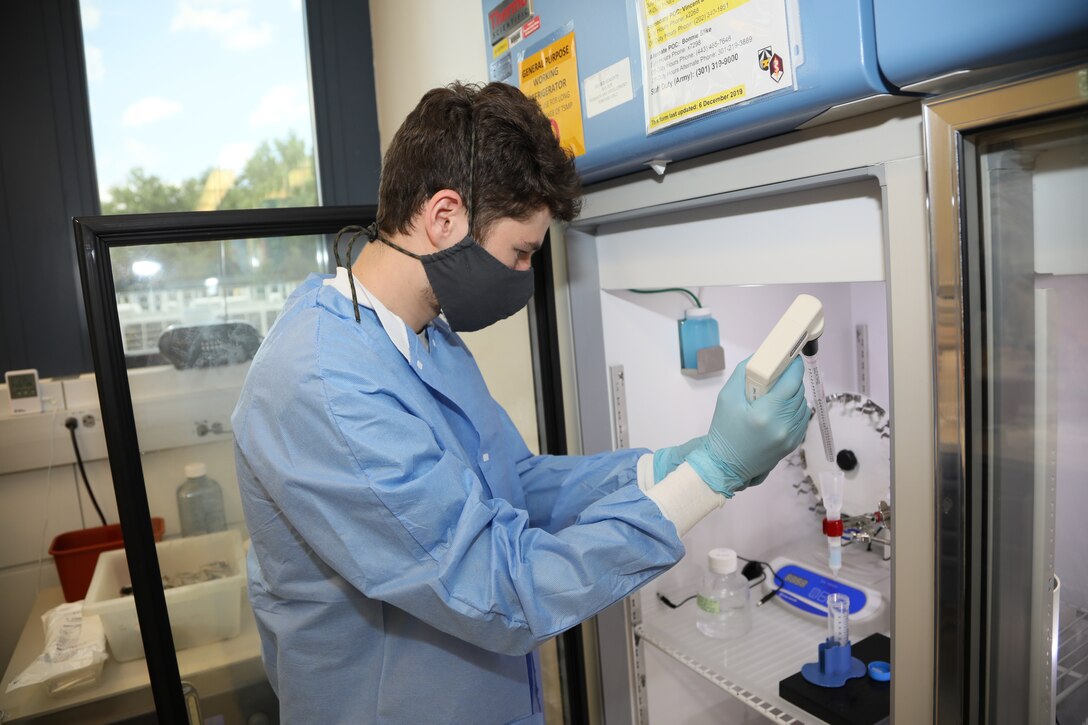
(530, 27)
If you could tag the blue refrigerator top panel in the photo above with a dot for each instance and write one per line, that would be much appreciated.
(834, 61)
(922, 39)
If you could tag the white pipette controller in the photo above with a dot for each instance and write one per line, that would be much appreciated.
(801, 323)
(796, 332)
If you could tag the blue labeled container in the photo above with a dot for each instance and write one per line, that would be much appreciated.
(698, 329)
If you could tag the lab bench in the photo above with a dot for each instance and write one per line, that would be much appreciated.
(123, 690)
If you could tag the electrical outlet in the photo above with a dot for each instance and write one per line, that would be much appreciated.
(205, 427)
(42, 440)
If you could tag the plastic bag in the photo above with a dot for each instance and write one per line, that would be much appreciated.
(75, 649)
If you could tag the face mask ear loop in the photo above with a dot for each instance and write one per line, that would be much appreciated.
(336, 242)
(471, 201)
(351, 277)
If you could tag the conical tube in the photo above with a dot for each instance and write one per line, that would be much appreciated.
(838, 619)
(831, 491)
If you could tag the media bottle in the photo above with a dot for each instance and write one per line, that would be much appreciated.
(697, 330)
(724, 603)
(200, 503)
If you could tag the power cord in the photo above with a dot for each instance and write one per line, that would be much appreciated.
(689, 293)
(752, 571)
(71, 424)
(778, 580)
(665, 600)
(48, 487)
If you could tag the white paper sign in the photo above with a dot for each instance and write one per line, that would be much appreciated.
(700, 56)
(609, 88)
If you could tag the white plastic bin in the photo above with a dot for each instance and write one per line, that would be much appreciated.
(199, 613)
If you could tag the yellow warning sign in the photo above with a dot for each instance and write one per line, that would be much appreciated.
(551, 77)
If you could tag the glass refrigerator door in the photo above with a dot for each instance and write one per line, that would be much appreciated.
(177, 306)
(1008, 186)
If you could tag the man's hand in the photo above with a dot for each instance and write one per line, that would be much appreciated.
(746, 440)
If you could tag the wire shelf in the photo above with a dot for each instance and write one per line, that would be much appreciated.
(742, 667)
(780, 641)
(1072, 651)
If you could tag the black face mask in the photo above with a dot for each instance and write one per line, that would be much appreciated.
(473, 288)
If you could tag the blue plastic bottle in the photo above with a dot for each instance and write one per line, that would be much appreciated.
(698, 329)
(200, 503)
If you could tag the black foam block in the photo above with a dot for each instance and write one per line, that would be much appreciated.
(861, 701)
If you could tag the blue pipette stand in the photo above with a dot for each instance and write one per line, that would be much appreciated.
(835, 666)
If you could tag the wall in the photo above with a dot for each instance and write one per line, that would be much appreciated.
(419, 45)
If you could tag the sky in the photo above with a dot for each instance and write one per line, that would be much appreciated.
(179, 86)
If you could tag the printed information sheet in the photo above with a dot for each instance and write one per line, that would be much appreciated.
(703, 55)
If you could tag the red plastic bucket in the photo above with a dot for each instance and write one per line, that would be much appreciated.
(76, 554)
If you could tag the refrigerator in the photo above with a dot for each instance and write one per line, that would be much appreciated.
(838, 213)
(947, 240)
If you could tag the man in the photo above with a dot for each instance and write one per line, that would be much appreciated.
(408, 552)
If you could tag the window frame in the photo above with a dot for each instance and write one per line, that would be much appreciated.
(42, 322)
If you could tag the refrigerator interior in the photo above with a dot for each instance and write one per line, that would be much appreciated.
(1070, 458)
(1059, 218)
(747, 260)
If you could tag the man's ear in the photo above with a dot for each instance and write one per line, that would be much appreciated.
(445, 219)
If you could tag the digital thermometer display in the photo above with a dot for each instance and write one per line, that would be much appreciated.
(23, 393)
(23, 386)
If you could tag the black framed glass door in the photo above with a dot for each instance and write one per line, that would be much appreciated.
(177, 305)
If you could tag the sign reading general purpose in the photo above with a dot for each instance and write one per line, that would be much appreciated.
(550, 75)
(703, 55)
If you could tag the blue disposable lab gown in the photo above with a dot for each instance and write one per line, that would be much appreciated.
(408, 552)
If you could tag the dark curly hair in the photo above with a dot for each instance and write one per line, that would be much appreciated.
(518, 166)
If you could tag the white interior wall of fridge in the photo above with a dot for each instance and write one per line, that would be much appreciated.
(746, 261)
(666, 408)
(1059, 221)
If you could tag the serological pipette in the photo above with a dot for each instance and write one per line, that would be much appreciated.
(810, 354)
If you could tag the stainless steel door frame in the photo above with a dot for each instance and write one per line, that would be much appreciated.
(962, 494)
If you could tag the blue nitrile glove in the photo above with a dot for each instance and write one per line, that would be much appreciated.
(667, 459)
(746, 440)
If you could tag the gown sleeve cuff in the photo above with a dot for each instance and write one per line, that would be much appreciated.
(683, 497)
(645, 471)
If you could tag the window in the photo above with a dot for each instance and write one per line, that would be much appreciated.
(199, 104)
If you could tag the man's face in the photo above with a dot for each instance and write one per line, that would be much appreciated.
(513, 242)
